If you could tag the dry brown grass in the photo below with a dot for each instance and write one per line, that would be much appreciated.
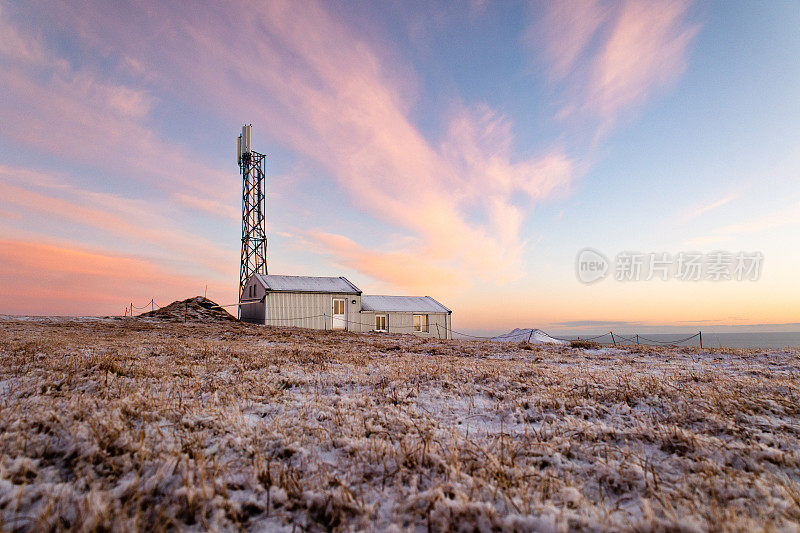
(129, 424)
(583, 344)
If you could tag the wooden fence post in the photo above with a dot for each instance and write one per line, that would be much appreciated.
(612, 338)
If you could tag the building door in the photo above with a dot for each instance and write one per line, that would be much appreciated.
(339, 321)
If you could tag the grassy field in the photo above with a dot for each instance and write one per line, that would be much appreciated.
(136, 424)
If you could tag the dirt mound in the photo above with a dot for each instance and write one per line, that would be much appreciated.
(197, 309)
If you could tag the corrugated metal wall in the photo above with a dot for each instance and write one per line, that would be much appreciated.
(305, 310)
(403, 323)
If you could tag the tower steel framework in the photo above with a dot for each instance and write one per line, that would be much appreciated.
(252, 166)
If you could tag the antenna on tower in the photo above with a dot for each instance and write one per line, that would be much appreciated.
(252, 166)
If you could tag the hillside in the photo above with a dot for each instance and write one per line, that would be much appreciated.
(197, 309)
(153, 425)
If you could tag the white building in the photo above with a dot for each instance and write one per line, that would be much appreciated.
(335, 303)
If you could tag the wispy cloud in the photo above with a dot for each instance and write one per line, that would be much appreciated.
(594, 323)
(789, 216)
(80, 116)
(133, 224)
(566, 30)
(333, 99)
(17, 46)
(71, 280)
(609, 58)
(694, 211)
(403, 268)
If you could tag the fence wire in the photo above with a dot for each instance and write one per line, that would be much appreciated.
(615, 338)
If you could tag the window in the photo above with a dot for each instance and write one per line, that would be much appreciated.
(421, 323)
(338, 307)
(380, 323)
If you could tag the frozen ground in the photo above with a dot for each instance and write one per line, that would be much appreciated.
(139, 424)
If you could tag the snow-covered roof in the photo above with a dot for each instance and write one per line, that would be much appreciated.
(275, 283)
(409, 304)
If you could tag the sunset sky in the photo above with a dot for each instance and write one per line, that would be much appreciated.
(462, 150)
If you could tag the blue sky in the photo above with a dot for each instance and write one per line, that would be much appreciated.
(464, 151)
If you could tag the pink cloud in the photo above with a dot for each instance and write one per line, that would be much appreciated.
(78, 118)
(78, 115)
(402, 269)
(347, 114)
(75, 281)
(646, 50)
(329, 95)
(567, 29)
(789, 216)
(612, 57)
(17, 46)
(699, 209)
(332, 99)
(136, 224)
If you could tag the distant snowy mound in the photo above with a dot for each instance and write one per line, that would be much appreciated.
(197, 309)
(534, 336)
